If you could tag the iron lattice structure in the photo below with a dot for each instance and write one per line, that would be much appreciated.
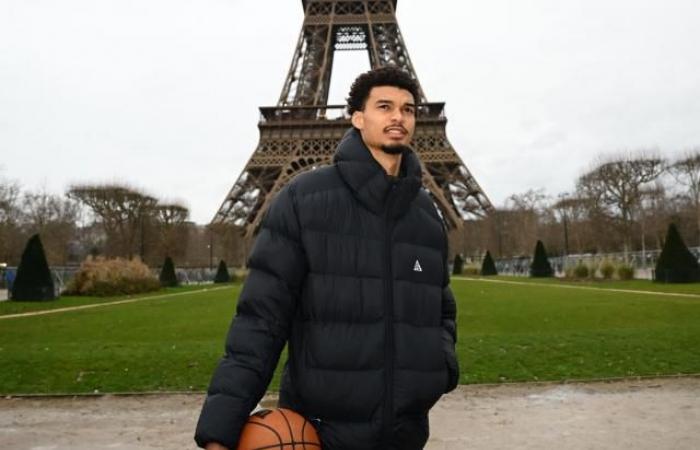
(302, 131)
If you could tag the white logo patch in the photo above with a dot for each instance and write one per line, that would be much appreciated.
(417, 267)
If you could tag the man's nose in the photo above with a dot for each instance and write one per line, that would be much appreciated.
(397, 115)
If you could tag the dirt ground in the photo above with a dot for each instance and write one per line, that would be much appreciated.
(644, 414)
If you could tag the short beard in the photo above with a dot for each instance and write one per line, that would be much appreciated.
(394, 149)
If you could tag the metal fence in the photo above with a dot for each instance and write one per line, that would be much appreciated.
(643, 263)
(63, 274)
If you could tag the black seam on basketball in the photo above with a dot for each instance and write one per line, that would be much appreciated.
(303, 429)
(273, 446)
(289, 427)
(282, 444)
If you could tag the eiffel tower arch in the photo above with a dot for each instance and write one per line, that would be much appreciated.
(302, 131)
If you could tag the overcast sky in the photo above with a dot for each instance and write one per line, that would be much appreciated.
(163, 94)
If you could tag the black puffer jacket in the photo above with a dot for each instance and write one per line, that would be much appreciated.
(350, 268)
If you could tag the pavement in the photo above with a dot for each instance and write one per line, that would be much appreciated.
(647, 414)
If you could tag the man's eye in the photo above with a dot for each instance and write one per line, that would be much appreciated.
(409, 110)
(384, 107)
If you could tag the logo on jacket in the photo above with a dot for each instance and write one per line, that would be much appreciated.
(417, 267)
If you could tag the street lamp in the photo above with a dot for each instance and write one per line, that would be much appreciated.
(210, 246)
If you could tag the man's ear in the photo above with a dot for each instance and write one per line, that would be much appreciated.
(358, 119)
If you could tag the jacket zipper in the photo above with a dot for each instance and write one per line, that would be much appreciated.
(388, 334)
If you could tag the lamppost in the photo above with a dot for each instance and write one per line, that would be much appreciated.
(566, 233)
(142, 246)
(210, 246)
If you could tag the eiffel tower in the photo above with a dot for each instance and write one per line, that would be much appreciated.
(302, 131)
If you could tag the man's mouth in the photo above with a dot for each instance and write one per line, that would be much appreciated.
(396, 131)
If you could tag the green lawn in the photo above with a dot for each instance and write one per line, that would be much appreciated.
(507, 332)
(166, 343)
(639, 285)
(528, 332)
(12, 307)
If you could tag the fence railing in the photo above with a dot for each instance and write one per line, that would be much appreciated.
(643, 263)
(63, 274)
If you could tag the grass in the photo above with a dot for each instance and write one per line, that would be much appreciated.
(507, 332)
(15, 307)
(527, 333)
(166, 343)
(638, 285)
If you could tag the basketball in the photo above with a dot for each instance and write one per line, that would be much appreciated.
(278, 429)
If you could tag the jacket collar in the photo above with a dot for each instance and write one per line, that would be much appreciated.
(369, 182)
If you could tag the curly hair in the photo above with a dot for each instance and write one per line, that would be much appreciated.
(383, 76)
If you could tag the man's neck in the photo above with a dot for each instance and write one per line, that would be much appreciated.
(390, 163)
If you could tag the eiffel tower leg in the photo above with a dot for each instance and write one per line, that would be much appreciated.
(453, 187)
(309, 75)
(278, 158)
(389, 48)
(297, 164)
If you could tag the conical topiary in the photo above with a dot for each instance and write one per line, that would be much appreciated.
(167, 273)
(33, 281)
(488, 267)
(540, 266)
(676, 264)
(222, 275)
(458, 265)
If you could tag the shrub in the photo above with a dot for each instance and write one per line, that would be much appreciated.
(222, 275)
(33, 281)
(167, 273)
(581, 270)
(471, 270)
(569, 272)
(488, 267)
(239, 275)
(625, 272)
(458, 265)
(540, 267)
(676, 264)
(607, 270)
(105, 277)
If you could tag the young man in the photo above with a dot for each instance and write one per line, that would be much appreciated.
(349, 268)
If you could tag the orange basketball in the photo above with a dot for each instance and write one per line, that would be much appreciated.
(278, 429)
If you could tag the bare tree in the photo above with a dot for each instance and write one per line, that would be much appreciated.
(652, 214)
(687, 172)
(10, 233)
(571, 211)
(530, 200)
(523, 221)
(614, 187)
(170, 219)
(55, 219)
(9, 196)
(122, 210)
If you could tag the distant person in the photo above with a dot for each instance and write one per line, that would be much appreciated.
(349, 268)
(9, 278)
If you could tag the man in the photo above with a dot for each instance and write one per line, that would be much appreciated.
(349, 268)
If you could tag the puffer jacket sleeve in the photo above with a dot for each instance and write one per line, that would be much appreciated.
(449, 330)
(259, 330)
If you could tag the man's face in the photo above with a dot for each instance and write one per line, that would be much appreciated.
(388, 119)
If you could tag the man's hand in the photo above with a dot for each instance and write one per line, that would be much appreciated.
(215, 446)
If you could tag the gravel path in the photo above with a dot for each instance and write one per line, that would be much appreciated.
(644, 414)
